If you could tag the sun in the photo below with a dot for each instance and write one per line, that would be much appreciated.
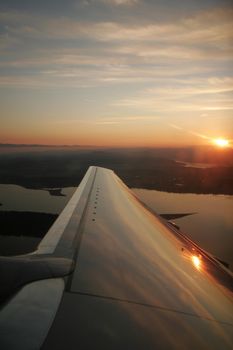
(221, 142)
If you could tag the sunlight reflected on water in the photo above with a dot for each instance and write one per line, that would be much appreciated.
(212, 224)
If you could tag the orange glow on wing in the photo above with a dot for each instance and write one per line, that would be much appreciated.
(196, 261)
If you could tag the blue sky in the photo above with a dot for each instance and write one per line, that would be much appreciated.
(116, 72)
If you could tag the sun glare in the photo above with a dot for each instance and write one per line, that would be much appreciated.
(221, 142)
(196, 261)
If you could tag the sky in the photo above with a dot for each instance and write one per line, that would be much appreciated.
(138, 73)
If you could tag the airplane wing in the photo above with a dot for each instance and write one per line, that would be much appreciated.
(110, 274)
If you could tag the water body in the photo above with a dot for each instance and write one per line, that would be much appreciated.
(196, 165)
(212, 225)
(14, 197)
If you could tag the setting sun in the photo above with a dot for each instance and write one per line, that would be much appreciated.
(221, 142)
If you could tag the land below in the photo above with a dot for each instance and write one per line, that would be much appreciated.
(22, 231)
(20, 223)
(164, 169)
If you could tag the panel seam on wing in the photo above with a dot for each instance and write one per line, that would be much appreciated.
(150, 306)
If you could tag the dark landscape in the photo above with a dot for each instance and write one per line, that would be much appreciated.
(21, 231)
(20, 223)
(50, 167)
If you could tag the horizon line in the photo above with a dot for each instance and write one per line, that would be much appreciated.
(95, 146)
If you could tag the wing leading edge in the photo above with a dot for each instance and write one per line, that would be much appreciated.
(132, 284)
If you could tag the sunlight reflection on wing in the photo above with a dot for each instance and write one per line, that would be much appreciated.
(196, 261)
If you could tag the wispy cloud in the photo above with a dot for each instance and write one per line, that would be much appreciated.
(175, 126)
(114, 52)
(204, 137)
(119, 2)
(128, 119)
(211, 27)
(108, 2)
(194, 133)
(195, 94)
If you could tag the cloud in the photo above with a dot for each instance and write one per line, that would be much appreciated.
(169, 56)
(195, 87)
(119, 2)
(110, 120)
(108, 2)
(202, 136)
(174, 126)
(116, 52)
(206, 27)
(195, 94)
(161, 105)
(127, 119)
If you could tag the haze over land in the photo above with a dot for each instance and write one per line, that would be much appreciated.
(193, 169)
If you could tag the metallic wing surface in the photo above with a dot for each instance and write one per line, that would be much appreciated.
(110, 274)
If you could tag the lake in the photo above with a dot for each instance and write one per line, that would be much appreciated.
(211, 227)
(14, 197)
